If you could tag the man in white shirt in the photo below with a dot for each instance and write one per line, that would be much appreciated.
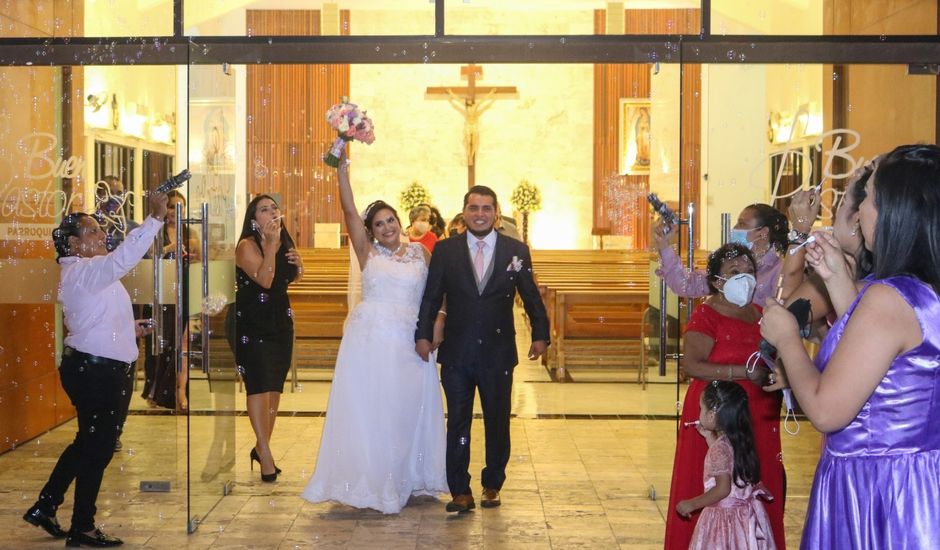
(100, 346)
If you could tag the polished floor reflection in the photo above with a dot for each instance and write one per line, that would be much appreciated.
(590, 468)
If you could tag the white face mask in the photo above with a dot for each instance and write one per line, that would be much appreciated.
(422, 227)
(739, 289)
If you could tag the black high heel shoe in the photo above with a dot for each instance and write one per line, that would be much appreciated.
(269, 478)
(255, 458)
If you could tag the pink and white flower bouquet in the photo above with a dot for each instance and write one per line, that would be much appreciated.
(350, 123)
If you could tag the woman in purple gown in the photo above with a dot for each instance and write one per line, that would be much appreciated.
(875, 389)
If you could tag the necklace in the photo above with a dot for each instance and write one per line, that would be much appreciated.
(385, 251)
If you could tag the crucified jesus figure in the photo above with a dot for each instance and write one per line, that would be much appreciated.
(471, 110)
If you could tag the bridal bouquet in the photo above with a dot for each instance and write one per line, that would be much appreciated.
(350, 123)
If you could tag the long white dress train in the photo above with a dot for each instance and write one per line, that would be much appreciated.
(384, 438)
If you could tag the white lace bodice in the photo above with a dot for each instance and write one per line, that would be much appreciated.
(397, 279)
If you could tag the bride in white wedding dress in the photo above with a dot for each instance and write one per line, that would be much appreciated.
(383, 439)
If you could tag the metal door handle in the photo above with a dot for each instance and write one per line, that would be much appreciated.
(157, 307)
(205, 286)
(689, 222)
(182, 278)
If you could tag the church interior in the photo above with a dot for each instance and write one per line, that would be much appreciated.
(594, 422)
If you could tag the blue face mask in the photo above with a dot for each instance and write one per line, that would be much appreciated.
(739, 236)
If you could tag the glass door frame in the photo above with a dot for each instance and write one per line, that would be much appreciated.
(918, 51)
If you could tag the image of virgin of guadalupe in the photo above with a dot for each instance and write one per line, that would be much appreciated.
(217, 141)
(641, 129)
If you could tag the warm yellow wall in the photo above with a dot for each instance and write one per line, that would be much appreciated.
(152, 87)
(767, 16)
(664, 131)
(543, 135)
(130, 17)
(734, 144)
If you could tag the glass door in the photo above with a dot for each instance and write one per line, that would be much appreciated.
(59, 156)
(213, 152)
(797, 127)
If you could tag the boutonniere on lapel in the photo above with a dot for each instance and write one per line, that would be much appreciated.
(515, 264)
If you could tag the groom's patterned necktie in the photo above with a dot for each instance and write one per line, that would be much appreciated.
(478, 260)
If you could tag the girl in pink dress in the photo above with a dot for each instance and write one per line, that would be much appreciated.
(732, 516)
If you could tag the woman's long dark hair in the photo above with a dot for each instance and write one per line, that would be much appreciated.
(727, 251)
(776, 223)
(68, 227)
(249, 232)
(186, 237)
(729, 402)
(864, 262)
(907, 196)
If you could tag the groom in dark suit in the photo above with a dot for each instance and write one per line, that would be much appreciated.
(479, 272)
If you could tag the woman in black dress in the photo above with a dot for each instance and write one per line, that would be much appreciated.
(266, 262)
(163, 386)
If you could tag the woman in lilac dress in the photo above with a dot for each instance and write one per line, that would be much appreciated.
(874, 390)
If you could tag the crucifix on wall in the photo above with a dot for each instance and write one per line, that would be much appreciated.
(467, 101)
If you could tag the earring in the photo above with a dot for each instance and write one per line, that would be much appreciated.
(855, 230)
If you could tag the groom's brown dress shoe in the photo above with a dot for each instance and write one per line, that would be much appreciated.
(490, 498)
(461, 504)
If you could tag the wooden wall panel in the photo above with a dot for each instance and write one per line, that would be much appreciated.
(619, 201)
(690, 170)
(287, 132)
(31, 399)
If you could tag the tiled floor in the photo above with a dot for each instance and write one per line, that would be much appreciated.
(587, 459)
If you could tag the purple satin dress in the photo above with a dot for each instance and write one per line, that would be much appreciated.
(877, 484)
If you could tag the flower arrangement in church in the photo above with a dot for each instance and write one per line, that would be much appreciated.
(526, 198)
(350, 124)
(413, 195)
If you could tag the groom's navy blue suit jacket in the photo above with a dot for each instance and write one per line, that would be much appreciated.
(479, 327)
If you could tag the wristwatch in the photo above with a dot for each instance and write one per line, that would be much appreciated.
(797, 237)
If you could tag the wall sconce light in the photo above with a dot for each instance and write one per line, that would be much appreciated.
(783, 127)
(780, 126)
(163, 128)
(97, 101)
(135, 120)
(98, 110)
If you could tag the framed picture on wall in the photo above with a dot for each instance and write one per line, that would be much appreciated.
(634, 146)
(212, 134)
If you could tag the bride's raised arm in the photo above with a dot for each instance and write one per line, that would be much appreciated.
(358, 237)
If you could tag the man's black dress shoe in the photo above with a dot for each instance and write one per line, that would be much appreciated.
(98, 540)
(37, 517)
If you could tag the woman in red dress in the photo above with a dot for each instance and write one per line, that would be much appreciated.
(721, 337)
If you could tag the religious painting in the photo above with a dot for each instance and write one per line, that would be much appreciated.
(634, 136)
(212, 133)
(212, 161)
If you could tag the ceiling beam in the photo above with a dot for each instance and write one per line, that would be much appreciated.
(469, 49)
